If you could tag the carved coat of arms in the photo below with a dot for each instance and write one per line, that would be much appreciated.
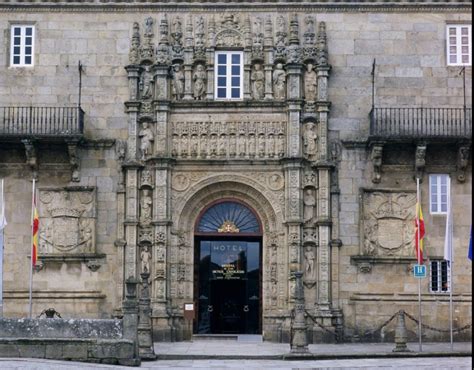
(388, 226)
(67, 221)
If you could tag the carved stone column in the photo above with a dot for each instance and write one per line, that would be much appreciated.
(299, 341)
(133, 72)
(324, 231)
(145, 340)
(269, 58)
(130, 317)
(132, 109)
(131, 218)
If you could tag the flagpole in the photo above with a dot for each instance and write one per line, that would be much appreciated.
(418, 252)
(32, 242)
(450, 264)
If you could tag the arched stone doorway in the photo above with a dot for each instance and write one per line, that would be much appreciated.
(228, 269)
(268, 205)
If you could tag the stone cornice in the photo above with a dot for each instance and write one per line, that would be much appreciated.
(208, 5)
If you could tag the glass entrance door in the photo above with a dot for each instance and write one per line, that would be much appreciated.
(228, 291)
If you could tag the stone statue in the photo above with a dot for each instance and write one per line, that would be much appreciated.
(200, 79)
(149, 27)
(146, 203)
(178, 82)
(258, 82)
(309, 200)
(146, 84)
(145, 257)
(146, 140)
(309, 258)
(200, 26)
(310, 141)
(279, 82)
(310, 84)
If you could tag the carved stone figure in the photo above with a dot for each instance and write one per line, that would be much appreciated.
(200, 82)
(146, 84)
(149, 27)
(462, 162)
(279, 82)
(146, 204)
(310, 141)
(309, 259)
(178, 82)
(258, 82)
(420, 160)
(146, 141)
(376, 157)
(311, 84)
(145, 257)
(309, 200)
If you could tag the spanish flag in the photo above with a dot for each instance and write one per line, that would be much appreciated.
(35, 228)
(419, 233)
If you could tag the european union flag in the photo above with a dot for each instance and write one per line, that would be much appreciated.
(470, 246)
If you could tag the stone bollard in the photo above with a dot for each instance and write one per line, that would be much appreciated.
(145, 337)
(130, 317)
(299, 341)
(401, 336)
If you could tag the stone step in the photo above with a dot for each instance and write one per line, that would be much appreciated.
(227, 337)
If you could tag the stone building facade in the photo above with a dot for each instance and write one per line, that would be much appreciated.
(257, 130)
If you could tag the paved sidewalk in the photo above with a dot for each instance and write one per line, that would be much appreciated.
(445, 363)
(228, 350)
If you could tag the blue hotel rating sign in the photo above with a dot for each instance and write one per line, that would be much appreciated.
(419, 271)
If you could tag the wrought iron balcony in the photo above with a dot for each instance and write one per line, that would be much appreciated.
(41, 122)
(405, 124)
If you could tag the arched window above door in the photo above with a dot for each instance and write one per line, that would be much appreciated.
(229, 217)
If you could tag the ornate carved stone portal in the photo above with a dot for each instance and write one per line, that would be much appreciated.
(273, 145)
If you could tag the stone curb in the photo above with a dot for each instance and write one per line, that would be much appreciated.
(315, 357)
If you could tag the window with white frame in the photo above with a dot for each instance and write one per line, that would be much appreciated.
(229, 75)
(439, 193)
(22, 46)
(459, 48)
(440, 279)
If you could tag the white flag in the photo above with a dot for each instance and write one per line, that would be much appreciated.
(3, 220)
(448, 241)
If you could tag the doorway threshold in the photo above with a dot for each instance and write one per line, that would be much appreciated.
(247, 338)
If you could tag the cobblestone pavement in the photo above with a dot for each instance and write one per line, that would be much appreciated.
(445, 363)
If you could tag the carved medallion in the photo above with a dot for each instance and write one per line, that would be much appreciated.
(180, 182)
(275, 182)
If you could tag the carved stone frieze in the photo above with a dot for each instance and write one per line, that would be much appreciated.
(202, 140)
(387, 224)
(68, 221)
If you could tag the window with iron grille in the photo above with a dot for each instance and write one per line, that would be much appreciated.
(22, 46)
(440, 280)
(439, 194)
(459, 47)
(229, 75)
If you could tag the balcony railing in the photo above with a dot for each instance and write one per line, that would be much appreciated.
(421, 123)
(46, 122)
